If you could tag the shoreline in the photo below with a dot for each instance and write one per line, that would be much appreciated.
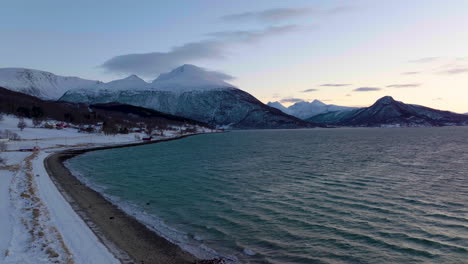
(129, 240)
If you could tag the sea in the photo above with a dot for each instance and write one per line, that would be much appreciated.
(342, 195)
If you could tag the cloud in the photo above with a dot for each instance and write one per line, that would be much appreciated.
(410, 73)
(404, 85)
(455, 71)
(309, 90)
(341, 9)
(270, 15)
(438, 99)
(291, 100)
(153, 63)
(366, 89)
(335, 84)
(425, 60)
(283, 14)
(253, 35)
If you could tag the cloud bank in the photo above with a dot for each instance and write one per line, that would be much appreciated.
(215, 47)
(154, 63)
(151, 64)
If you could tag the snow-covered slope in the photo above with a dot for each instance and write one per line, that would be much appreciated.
(195, 93)
(304, 110)
(41, 84)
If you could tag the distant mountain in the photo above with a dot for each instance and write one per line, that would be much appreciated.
(305, 110)
(278, 106)
(41, 84)
(191, 92)
(388, 112)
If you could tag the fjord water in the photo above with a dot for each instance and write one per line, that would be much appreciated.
(362, 195)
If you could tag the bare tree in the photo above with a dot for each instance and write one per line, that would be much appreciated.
(36, 122)
(21, 124)
(8, 134)
(150, 127)
(110, 128)
(3, 146)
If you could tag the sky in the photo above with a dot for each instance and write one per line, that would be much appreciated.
(340, 52)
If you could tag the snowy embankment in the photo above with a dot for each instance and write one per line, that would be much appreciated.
(38, 225)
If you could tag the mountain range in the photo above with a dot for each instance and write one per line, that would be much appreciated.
(305, 110)
(188, 91)
(44, 85)
(195, 93)
(388, 112)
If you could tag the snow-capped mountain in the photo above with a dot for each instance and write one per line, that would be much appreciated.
(304, 110)
(388, 112)
(191, 92)
(130, 82)
(41, 84)
(190, 78)
(278, 106)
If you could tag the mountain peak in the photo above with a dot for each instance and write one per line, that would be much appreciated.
(185, 70)
(278, 106)
(385, 100)
(188, 67)
(317, 102)
(190, 77)
(133, 77)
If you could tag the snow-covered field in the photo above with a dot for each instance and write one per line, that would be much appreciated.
(37, 224)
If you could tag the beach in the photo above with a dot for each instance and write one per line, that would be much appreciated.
(129, 240)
